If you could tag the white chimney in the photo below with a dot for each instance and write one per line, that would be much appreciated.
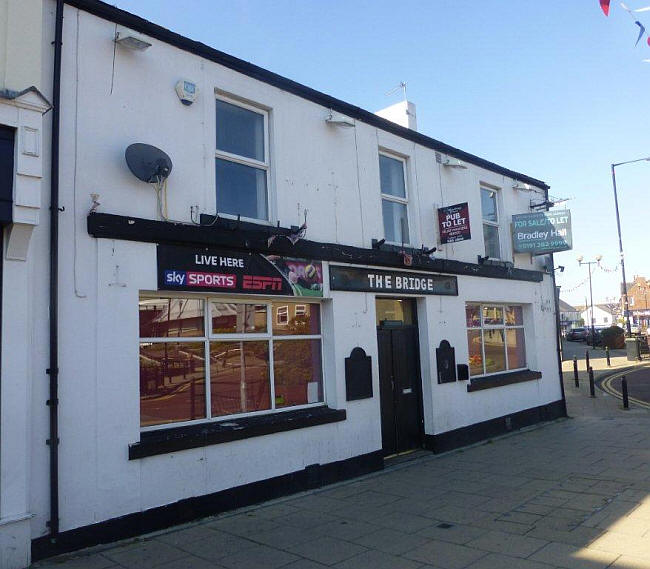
(402, 113)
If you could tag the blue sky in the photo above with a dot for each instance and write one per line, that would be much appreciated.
(552, 89)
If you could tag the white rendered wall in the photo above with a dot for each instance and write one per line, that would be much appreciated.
(334, 174)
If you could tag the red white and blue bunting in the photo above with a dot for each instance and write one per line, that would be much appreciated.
(605, 5)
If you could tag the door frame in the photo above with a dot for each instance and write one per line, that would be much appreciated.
(418, 367)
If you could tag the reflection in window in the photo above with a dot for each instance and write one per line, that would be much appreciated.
(473, 316)
(475, 352)
(493, 344)
(297, 372)
(239, 377)
(281, 315)
(495, 338)
(170, 317)
(492, 315)
(516, 348)
(514, 316)
(238, 318)
(172, 382)
(289, 320)
(235, 346)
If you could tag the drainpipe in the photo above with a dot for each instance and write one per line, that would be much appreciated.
(558, 342)
(556, 304)
(53, 370)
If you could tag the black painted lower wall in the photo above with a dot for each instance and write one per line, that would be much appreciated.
(494, 427)
(190, 509)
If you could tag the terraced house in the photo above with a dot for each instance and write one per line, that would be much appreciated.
(221, 286)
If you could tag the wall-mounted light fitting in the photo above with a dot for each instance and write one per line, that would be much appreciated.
(377, 243)
(337, 119)
(450, 162)
(130, 40)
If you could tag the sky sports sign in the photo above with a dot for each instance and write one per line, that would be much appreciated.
(218, 270)
(542, 232)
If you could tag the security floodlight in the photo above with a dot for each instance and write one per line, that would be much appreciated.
(131, 41)
(337, 119)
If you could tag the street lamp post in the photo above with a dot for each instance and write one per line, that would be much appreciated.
(626, 308)
(581, 262)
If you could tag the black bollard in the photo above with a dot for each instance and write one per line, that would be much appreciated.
(592, 387)
(609, 363)
(626, 401)
(575, 371)
(587, 359)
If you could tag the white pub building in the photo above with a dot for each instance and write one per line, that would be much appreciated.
(233, 287)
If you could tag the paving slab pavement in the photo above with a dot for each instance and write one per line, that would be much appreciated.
(574, 493)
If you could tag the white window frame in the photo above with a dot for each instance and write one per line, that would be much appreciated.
(282, 315)
(496, 224)
(244, 160)
(389, 197)
(482, 326)
(208, 337)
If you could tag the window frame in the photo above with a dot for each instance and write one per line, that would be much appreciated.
(244, 160)
(504, 326)
(209, 336)
(497, 224)
(389, 197)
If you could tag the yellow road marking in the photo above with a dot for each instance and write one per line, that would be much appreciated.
(607, 387)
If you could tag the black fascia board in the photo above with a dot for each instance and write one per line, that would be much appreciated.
(253, 237)
(138, 24)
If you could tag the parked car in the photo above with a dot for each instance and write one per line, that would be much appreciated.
(594, 338)
(576, 334)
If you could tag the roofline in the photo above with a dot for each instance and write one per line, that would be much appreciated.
(138, 24)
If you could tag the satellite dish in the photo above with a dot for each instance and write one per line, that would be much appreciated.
(148, 163)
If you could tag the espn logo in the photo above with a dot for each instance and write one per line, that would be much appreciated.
(262, 283)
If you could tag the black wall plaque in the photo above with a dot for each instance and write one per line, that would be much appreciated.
(374, 280)
(446, 362)
(358, 375)
(463, 372)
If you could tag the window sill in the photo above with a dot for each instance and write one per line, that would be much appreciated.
(502, 379)
(164, 441)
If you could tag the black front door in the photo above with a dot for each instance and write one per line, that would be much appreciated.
(400, 387)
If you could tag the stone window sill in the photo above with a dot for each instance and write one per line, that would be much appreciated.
(163, 441)
(502, 379)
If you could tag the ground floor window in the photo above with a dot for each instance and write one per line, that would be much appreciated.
(207, 358)
(495, 338)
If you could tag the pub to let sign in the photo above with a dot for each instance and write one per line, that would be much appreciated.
(542, 232)
(453, 223)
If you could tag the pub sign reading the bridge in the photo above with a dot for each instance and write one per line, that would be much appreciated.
(204, 269)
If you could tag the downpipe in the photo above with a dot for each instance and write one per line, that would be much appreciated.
(53, 370)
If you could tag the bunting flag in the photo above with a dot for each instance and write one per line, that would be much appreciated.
(604, 4)
(641, 32)
(646, 9)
